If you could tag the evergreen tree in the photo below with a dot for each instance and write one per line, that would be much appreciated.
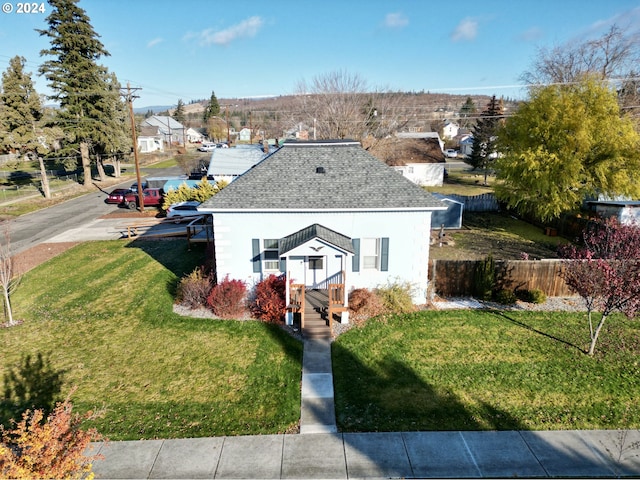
(467, 110)
(179, 114)
(20, 109)
(79, 83)
(483, 151)
(213, 108)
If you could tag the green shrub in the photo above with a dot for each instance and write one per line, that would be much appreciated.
(396, 297)
(506, 297)
(484, 277)
(532, 296)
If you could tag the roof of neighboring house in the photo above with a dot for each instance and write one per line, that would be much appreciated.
(236, 160)
(311, 232)
(322, 175)
(163, 122)
(405, 150)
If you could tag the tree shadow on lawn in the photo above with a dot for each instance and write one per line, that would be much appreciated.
(504, 315)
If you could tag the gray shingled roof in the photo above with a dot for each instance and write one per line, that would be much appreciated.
(301, 237)
(334, 175)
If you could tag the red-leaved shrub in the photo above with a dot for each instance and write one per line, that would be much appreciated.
(227, 298)
(268, 302)
(364, 304)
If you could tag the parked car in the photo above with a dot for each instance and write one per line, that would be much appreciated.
(183, 209)
(152, 197)
(222, 145)
(450, 153)
(116, 197)
(207, 147)
(134, 186)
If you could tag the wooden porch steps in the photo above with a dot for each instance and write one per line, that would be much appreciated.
(315, 325)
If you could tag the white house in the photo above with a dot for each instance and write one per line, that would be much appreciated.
(450, 129)
(244, 135)
(416, 156)
(194, 136)
(172, 131)
(323, 212)
(466, 145)
(148, 144)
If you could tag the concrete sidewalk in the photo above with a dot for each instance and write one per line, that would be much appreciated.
(601, 453)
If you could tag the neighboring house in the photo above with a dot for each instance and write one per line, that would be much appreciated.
(172, 131)
(450, 129)
(227, 164)
(627, 212)
(323, 213)
(194, 136)
(150, 140)
(466, 145)
(416, 156)
(244, 135)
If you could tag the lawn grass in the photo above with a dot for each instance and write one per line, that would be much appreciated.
(482, 370)
(102, 312)
(170, 162)
(465, 182)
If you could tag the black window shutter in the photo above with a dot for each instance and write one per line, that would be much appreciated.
(255, 245)
(355, 261)
(384, 255)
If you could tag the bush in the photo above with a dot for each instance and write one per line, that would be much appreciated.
(227, 298)
(364, 304)
(506, 297)
(268, 302)
(51, 448)
(396, 297)
(484, 278)
(532, 296)
(194, 289)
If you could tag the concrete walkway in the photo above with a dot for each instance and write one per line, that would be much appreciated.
(317, 412)
(379, 455)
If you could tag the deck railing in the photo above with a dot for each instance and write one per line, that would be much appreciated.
(296, 301)
(336, 298)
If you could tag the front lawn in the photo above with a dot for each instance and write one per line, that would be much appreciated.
(102, 312)
(482, 370)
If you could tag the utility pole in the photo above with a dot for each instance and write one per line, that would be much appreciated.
(226, 110)
(129, 98)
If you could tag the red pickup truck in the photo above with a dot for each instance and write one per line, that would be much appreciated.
(152, 197)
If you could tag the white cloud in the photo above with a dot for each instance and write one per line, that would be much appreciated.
(154, 42)
(467, 29)
(247, 28)
(395, 20)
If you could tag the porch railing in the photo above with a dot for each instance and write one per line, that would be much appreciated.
(336, 298)
(296, 301)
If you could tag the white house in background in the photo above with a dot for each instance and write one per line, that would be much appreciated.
(227, 164)
(627, 212)
(450, 129)
(150, 140)
(244, 135)
(416, 156)
(466, 145)
(194, 136)
(323, 212)
(172, 131)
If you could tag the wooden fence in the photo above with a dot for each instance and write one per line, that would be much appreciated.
(454, 278)
(486, 202)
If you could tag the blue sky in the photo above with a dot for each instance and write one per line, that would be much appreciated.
(185, 49)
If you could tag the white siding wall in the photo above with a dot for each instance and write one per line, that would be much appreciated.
(424, 174)
(408, 234)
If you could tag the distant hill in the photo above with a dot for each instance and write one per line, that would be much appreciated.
(153, 108)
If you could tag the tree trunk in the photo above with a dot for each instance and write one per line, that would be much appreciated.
(86, 163)
(100, 167)
(594, 337)
(45, 180)
(7, 306)
(117, 170)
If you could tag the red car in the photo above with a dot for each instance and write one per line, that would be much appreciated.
(117, 196)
